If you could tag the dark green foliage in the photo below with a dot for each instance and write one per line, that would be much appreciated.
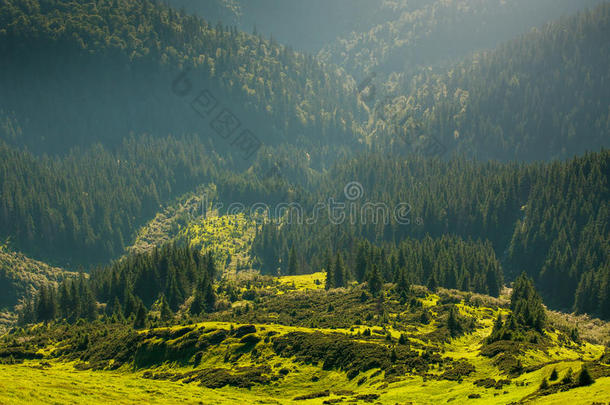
(165, 312)
(19, 275)
(526, 305)
(328, 266)
(497, 104)
(46, 304)
(584, 377)
(432, 284)
(485, 208)
(504, 353)
(392, 39)
(544, 384)
(313, 395)
(292, 262)
(104, 178)
(250, 340)
(454, 323)
(104, 196)
(336, 351)
(126, 74)
(491, 383)
(244, 330)
(459, 370)
(130, 287)
(554, 375)
(375, 282)
(139, 321)
(339, 274)
(528, 317)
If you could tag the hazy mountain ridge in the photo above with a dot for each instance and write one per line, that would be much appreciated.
(124, 76)
(424, 33)
(542, 96)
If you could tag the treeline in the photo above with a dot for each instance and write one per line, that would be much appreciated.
(166, 280)
(84, 208)
(306, 26)
(449, 262)
(418, 197)
(541, 96)
(109, 68)
(548, 220)
(421, 33)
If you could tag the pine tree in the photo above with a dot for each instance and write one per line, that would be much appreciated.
(432, 283)
(584, 377)
(209, 298)
(292, 262)
(526, 304)
(164, 310)
(375, 282)
(198, 305)
(403, 282)
(493, 284)
(453, 322)
(361, 263)
(139, 321)
(339, 272)
(330, 279)
(117, 310)
(498, 324)
(46, 308)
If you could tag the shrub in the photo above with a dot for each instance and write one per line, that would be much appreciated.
(544, 384)
(250, 339)
(584, 377)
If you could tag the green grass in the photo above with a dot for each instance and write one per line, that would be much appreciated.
(228, 236)
(287, 378)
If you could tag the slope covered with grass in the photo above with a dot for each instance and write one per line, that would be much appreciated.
(395, 353)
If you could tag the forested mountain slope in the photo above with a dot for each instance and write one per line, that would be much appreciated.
(75, 73)
(99, 86)
(549, 220)
(541, 96)
(423, 33)
(303, 25)
(85, 207)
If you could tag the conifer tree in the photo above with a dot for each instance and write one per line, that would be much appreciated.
(292, 262)
(361, 263)
(330, 278)
(375, 282)
(339, 272)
